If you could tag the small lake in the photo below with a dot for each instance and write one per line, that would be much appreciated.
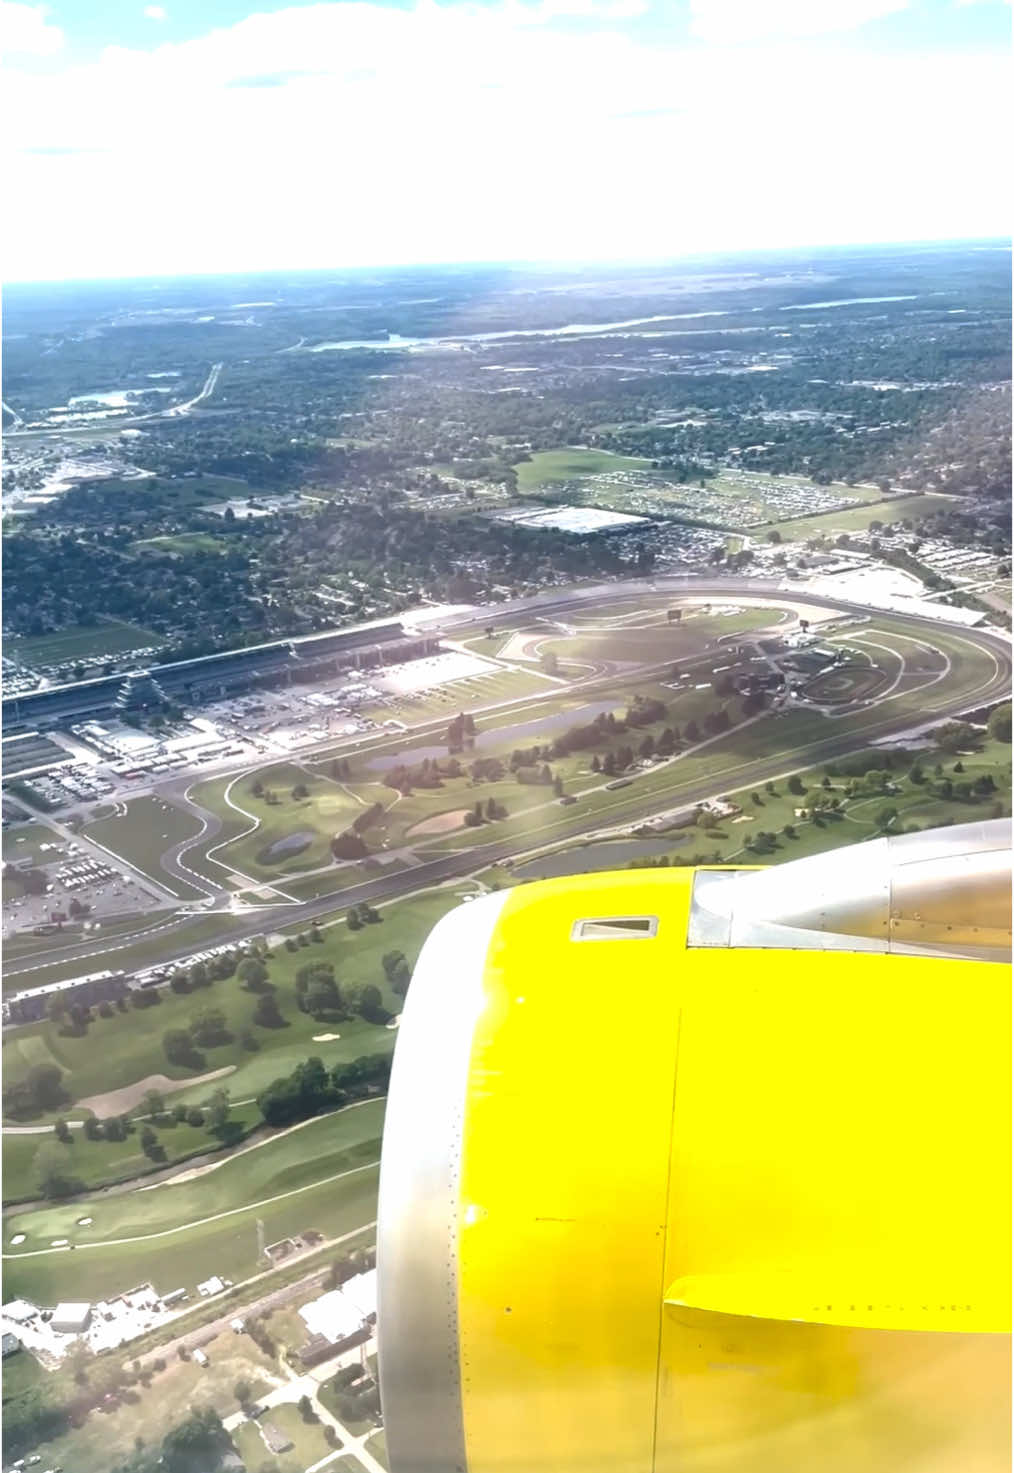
(572, 329)
(608, 854)
(284, 848)
(524, 733)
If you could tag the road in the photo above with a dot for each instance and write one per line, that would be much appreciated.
(206, 393)
(629, 805)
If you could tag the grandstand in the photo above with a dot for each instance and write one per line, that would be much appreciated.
(212, 677)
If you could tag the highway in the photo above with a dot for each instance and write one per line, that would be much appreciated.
(630, 804)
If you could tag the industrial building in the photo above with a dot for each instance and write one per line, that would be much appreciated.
(31, 1005)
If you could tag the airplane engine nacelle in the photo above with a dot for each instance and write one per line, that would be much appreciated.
(707, 1171)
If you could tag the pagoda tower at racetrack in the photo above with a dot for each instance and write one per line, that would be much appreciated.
(140, 691)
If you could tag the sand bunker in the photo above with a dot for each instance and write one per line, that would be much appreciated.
(120, 1101)
(85, 1221)
(439, 823)
(18, 1238)
(326, 1037)
(59, 1242)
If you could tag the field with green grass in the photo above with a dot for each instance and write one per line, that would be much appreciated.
(735, 498)
(97, 1163)
(149, 827)
(320, 1176)
(150, 1412)
(309, 1445)
(119, 1051)
(182, 542)
(25, 840)
(80, 643)
(855, 518)
(856, 820)
(547, 467)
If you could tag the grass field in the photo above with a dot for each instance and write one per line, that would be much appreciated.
(735, 498)
(107, 1437)
(120, 1050)
(321, 1176)
(772, 811)
(182, 542)
(87, 640)
(549, 466)
(293, 834)
(25, 841)
(855, 518)
(96, 1163)
(149, 827)
(308, 1442)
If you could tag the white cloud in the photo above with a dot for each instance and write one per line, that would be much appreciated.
(24, 30)
(740, 21)
(353, 133)
(154, 12)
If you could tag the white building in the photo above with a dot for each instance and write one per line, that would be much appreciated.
(71, 1318)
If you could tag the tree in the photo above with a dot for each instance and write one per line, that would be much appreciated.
(368, 1003)
(153, 1102)
(692, 731)
(397, 971)
(53, 1174)
(93, 1128)
(558, 786)
(218, 1110)
(795, 785)
(300, 790)
(196, 1445)
(178, 1047)
(789, 830)
(252, 973)
(208, 1029)
(195, 1117)
(267, 1013)
(774, 536)
(673, 616)
(306, 1410)
(62, 1132)
(242, 1392)
(999, 723)
(149, 1143)
(352, 920)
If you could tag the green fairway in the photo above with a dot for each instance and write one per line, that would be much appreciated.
(95, 1163)
(548, 466)
(321, 1176)
(127, 1047)
(82, 642)
(149, 827)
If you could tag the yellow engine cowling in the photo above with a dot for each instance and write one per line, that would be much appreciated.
(707, 1171)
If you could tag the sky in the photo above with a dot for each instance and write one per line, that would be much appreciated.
(225, 135)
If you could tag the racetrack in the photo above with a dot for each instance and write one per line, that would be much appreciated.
(945, 671)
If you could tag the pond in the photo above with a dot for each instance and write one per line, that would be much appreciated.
(286, 847)
(607, 854)
(541, 728)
